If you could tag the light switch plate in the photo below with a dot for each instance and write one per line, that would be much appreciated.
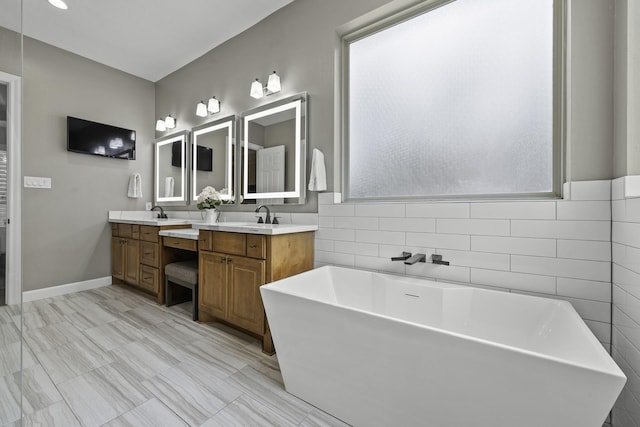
(37, 182)
(149, 206)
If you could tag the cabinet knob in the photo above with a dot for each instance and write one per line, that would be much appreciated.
(253, 246)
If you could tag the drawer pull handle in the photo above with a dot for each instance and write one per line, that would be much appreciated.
(253, 246)
(148, 253)
(147, 277)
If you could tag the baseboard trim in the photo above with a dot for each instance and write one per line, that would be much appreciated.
(68, 288)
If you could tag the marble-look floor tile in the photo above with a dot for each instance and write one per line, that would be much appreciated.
(144, 316)
(113, 335)
(62, 306)
(48, 337)
(7, 312)
(173, 332)
(70, 360)
(42, 316)
(9, 400)
(55, 415)
(245, 411)
(92, 316)
(102, 395)
(270, 393)
(13, 358)
(9, 333)
(318, 418)
(38, 390)
(145, 358)
(191, 393)
(152, 413)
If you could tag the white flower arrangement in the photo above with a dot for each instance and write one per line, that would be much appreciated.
(210, 198)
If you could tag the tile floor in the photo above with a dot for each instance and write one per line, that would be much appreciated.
(113, 357)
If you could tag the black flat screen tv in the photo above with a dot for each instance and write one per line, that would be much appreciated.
(87, 137)
(205, 157)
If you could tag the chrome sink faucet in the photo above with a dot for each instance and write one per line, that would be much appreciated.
(161, 215)
(267, 218)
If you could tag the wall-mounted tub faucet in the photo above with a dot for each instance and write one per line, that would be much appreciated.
(416, 258)
(405, 256)
(437, 259)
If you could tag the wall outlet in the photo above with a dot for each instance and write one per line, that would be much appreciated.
(149, 206)
(37, 182)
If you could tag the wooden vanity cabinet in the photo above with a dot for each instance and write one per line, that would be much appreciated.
(136, 257)
(233, 266)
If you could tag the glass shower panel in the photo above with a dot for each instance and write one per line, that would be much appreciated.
(10, 291)
(456, 101)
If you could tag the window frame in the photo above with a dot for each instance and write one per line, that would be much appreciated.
(380, 22)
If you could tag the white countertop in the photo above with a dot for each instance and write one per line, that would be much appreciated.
(182, 233)
(157, 222)
(253, 228)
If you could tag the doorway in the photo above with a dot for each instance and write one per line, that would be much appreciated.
(10, 189)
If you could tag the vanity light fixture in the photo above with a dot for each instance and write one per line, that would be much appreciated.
(201, 109)
(273, 86)
(161, 126)
(60, 4)
(170, 122)
(213, 106)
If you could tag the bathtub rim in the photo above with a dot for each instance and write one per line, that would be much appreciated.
(614, 369)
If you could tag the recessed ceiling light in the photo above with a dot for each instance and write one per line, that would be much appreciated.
(60, 4)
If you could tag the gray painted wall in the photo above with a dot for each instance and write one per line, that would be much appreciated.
(66, 237)
(299, 42)
(626, 160)
(10, 59)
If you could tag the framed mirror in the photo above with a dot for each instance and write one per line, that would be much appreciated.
(274, 152)
(212, 154)
(170, 169)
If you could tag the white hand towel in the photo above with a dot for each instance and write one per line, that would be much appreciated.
(168, 186)
(318, 177)
(135, 186)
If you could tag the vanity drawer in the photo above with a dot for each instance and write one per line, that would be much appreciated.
(131, 231)
(149, 278)
(149, 233)
(204, 240)
(229, 243)
(149, 254)
(178, 243)
(256, 246)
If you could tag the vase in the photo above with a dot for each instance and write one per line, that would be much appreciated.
(211, 216)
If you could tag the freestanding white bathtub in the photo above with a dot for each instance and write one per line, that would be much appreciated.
(381, 350)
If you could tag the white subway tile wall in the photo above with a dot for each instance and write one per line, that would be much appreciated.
(559, 249)
(626, 297)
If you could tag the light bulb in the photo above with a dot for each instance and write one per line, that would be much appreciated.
(170, 122)
(256, 90)
(161, 126)
(60, 4)
(214, 105)
(201, 109)
(273, 85)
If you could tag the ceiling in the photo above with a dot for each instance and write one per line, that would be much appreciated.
(146, 38)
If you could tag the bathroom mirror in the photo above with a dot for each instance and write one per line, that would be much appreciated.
(274, 152)
(170, 170)
(212, 157)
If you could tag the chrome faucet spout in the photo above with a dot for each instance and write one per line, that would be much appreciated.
(267, 218)
(161, 214)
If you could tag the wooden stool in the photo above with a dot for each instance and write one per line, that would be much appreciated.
(185, 274)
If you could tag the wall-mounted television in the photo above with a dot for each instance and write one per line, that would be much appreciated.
(205, 157)
(87, 137)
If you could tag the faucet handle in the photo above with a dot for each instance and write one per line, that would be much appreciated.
(260, 220)
(405, 256)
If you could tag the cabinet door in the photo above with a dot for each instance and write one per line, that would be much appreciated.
(131, 260)
(246, 275)
(117, 258)
(212, 284)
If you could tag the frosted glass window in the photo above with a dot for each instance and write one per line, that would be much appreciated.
(456, 101)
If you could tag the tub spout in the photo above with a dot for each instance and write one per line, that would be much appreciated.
(437, 259)
(416, 258)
